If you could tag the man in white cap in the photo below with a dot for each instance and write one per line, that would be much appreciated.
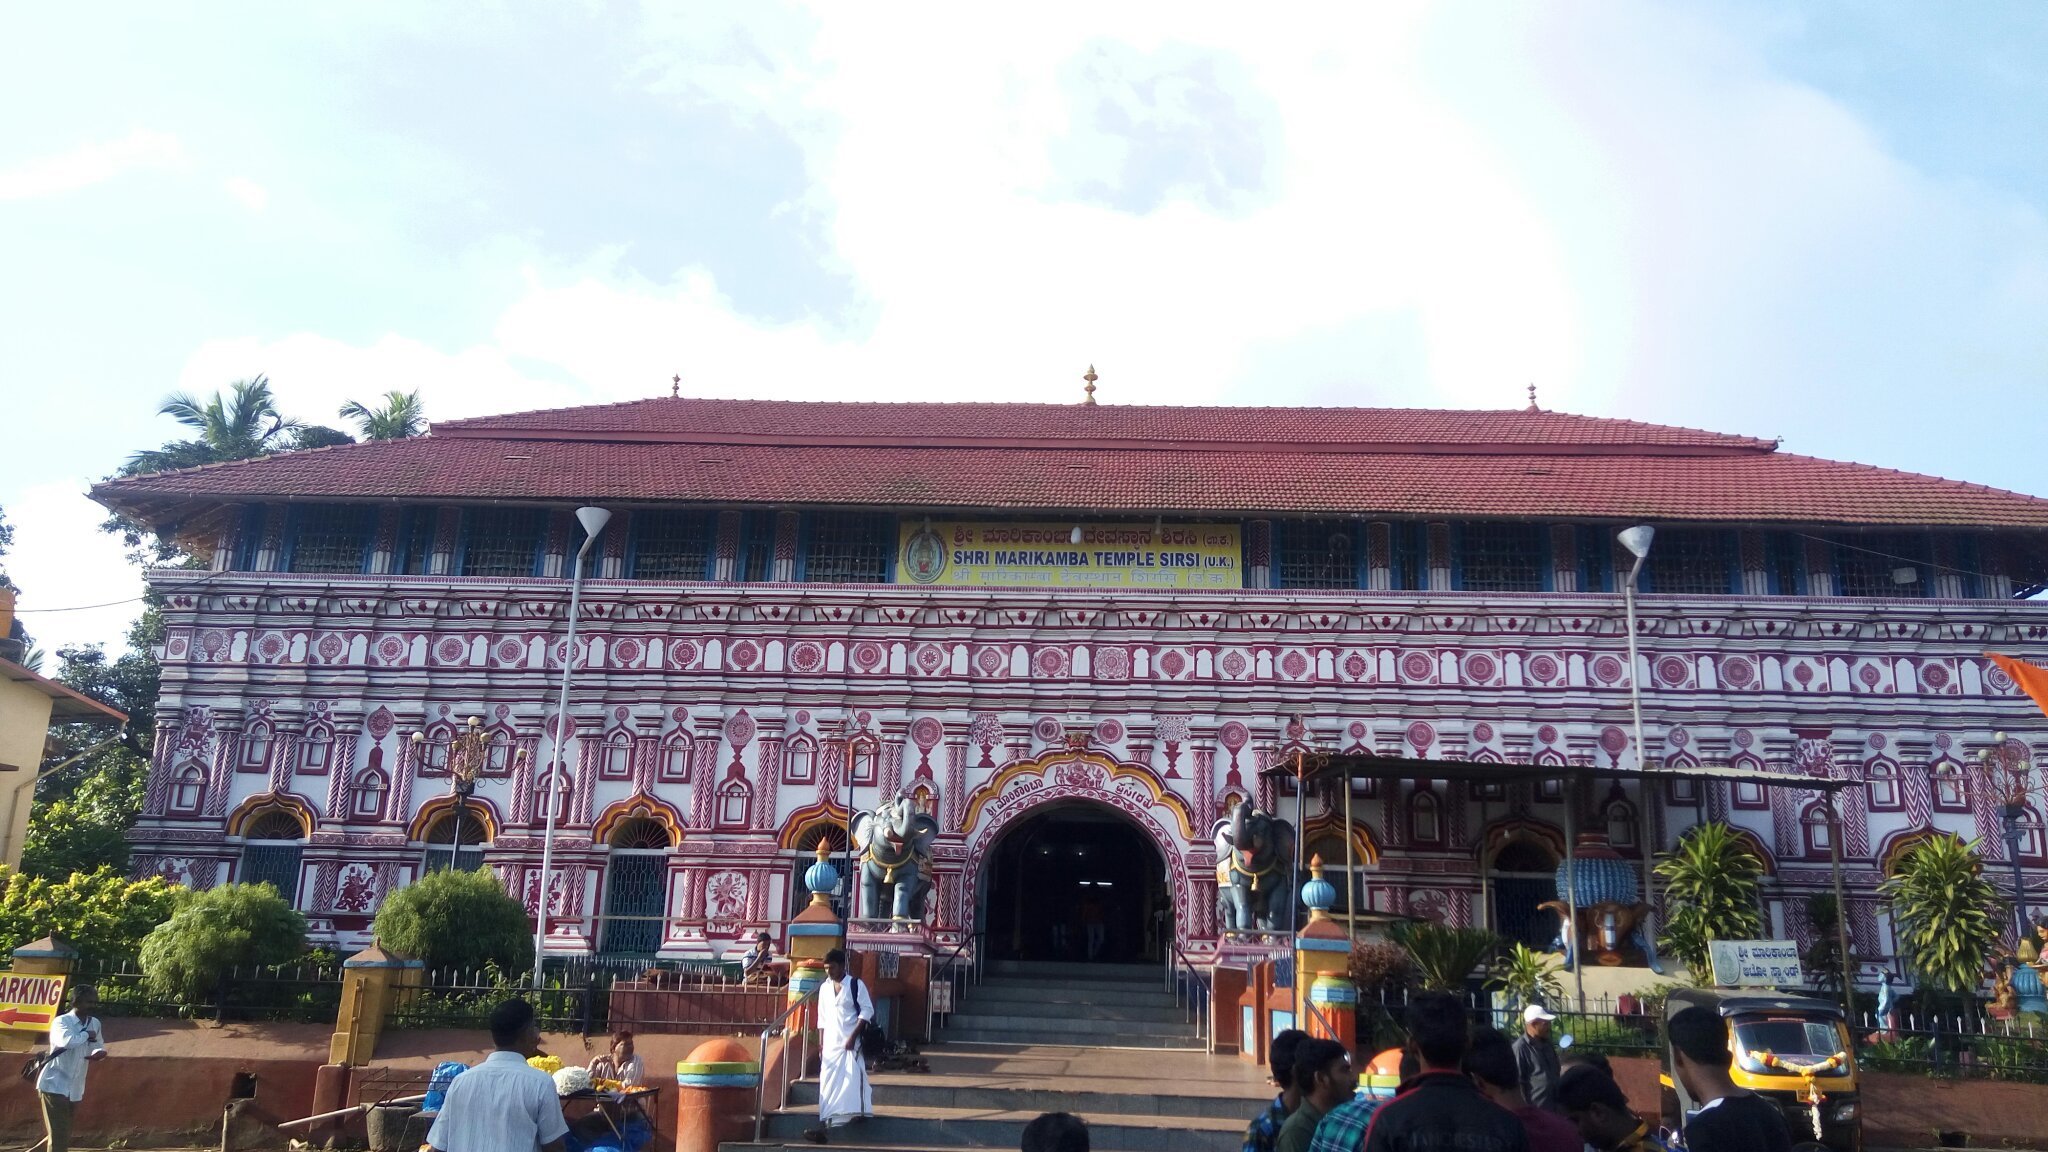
(1536, 1057)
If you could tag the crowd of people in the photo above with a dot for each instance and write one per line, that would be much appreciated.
(1476, 1090)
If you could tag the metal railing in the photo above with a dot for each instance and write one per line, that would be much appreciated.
(956, 969)
(1191, 989)
(780, 1029)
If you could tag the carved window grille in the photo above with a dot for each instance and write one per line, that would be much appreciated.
(1882, 782)
(1316, 553)
(1683, 790)
(456, 839)
(367, 798)
(672, 545)
(1875, 565)
(2033, 846)
(502, 541)
(189, 792)
(1690, 562)
(1503, 557)
(498, 754)
(800, 761)
(1750, 794)
(849, 548)
(274, 825)
(640, 832)
(330, 538)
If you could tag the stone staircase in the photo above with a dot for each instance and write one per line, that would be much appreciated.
(1105, 1042)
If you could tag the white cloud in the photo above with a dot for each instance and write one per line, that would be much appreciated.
(251, 195)
(61, 560)
(89, 165)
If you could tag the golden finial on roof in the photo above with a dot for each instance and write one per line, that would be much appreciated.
(675, 387)
(1089, 401)
(1532, 398)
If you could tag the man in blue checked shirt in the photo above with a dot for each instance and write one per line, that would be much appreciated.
(1264, 1130)
(1343, 1129)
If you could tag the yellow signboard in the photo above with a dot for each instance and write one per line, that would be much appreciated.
(30, 1003)
(966, 554)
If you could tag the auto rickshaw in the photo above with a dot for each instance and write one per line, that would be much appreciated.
(1794, 1050)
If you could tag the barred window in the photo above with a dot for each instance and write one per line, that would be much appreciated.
(1872, 565)
(850, 548)
(330, 538)
(501, 541)
(415, 541)
(1500, 557)
(671, 545)
(1315, 554)
(756, 561)
(1689, 562)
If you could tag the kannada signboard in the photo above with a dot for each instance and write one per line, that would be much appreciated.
(29, 1003)
(1755, 963)
(964, 554)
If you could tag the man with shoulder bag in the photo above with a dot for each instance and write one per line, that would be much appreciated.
(846, 1015)
(75, 1039)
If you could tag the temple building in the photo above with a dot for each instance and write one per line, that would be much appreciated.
(1077, 637)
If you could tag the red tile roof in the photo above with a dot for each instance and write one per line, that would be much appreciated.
(1004, 456)
(691, 420)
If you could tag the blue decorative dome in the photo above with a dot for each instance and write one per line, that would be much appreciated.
(1319, 894)
(1603, 876)
(2026, 983)
(821, 878)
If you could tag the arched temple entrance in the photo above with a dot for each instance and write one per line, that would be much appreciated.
(1521, 876)
(1076, 880)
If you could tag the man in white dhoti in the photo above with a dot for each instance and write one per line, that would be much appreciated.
(845, 1010)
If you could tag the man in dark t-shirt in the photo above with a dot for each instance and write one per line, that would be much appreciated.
(1731, 1119)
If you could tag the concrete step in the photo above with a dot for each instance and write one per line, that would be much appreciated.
(1133, 973)
(1053, 1038)
(1095, 1022)
(992, 1128)
(938, 1091)
(1060, 992)
(1102, 988)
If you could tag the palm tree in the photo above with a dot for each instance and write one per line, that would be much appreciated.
(1946, 915)
(1445, 956)
(1710, 889)
(401, 416)
(237, 425)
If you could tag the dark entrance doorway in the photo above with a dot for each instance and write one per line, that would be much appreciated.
(1522, 877)
(1076, 882)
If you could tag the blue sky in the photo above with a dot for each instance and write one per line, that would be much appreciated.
(1826, 221)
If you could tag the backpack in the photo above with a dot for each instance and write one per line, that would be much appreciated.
(32, 1068)
(874, 1042)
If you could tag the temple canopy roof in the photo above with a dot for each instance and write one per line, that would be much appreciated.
(1107, 459)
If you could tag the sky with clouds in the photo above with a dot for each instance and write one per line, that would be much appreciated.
(1824, 221)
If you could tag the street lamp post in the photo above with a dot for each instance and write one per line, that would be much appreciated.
(2006, 767)
(1637, 541)
(467, 754)
(593, 521)
(848, 729)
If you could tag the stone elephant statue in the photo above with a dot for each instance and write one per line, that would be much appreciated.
(1254, 869)
(894, 843)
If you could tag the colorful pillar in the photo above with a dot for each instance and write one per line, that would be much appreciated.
(814, 931)
(1322, 966)
(715, 1092)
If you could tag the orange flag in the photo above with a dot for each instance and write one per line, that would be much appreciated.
(2032, 678)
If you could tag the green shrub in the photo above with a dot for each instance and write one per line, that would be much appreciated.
(231, 926)
(1945, 914)
(452, 919)
(1526, 976)
(1710, 888)
(1444, 957)
(104, 914)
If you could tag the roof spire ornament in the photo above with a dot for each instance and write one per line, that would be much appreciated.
(1532, 398)
(675, 387)
(1089, 400)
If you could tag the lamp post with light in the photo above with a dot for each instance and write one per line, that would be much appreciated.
(2006, 767)
(1637, 541)
(467, 754)
(593, 521)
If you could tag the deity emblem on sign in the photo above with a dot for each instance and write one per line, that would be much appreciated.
(924, 557)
